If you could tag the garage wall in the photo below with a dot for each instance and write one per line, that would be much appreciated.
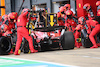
(56, 7)
(39, 1)
(72, 3)
(19, 2)
(48, 2)
(59, 0)
(28, 3)
(8, 6)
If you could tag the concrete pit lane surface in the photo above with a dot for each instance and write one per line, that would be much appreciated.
(82, 57)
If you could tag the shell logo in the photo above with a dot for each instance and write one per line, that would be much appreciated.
(5, 16)
(76, 28)
(79, 5)
(13, 16)
(68, 22)
(14, 13)
(68, 13)
(4, 34)
(98, 12)
(89, 5)
(96, 3)
(18, 20)
(5, 27)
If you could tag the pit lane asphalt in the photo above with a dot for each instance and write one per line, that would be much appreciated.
(83, 57)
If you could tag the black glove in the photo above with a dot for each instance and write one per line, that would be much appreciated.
(59, 18)
(74, 31)
(8, 35)
(14, 31)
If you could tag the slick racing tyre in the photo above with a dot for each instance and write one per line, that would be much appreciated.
(5, 45)
(85, 40)
(67, 40)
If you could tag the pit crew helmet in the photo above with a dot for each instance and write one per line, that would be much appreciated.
(69, 13)
(97, 3)
(67, 6)
(87, 7)
(62, 9)
(4, 28)
(98, 7)
(98, 13)
(81, 20)
(12, 15)
(4, 17)
(25, 10)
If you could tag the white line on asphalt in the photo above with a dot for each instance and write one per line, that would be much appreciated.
(41, 61)
(92, 57)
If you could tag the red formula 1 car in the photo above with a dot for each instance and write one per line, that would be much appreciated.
(47, 38)
(51, 36)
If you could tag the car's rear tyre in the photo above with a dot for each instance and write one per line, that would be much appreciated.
(85, 40)
(67, 40)
(5, 45)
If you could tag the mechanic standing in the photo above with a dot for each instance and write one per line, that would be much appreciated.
(98, 5)
(87, 7)
(22, 31)
(70, 23)
(61, 16)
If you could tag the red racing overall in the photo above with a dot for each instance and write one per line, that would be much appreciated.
(23, 32)
(60, 21)
(12, 17)
(71, 24)
(61, 16)
(78, 29)
(94, 31)
(88, 9)
(78, 34)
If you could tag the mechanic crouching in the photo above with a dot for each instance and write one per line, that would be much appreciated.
(22, 31)
(5, 27)
(80, 26)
